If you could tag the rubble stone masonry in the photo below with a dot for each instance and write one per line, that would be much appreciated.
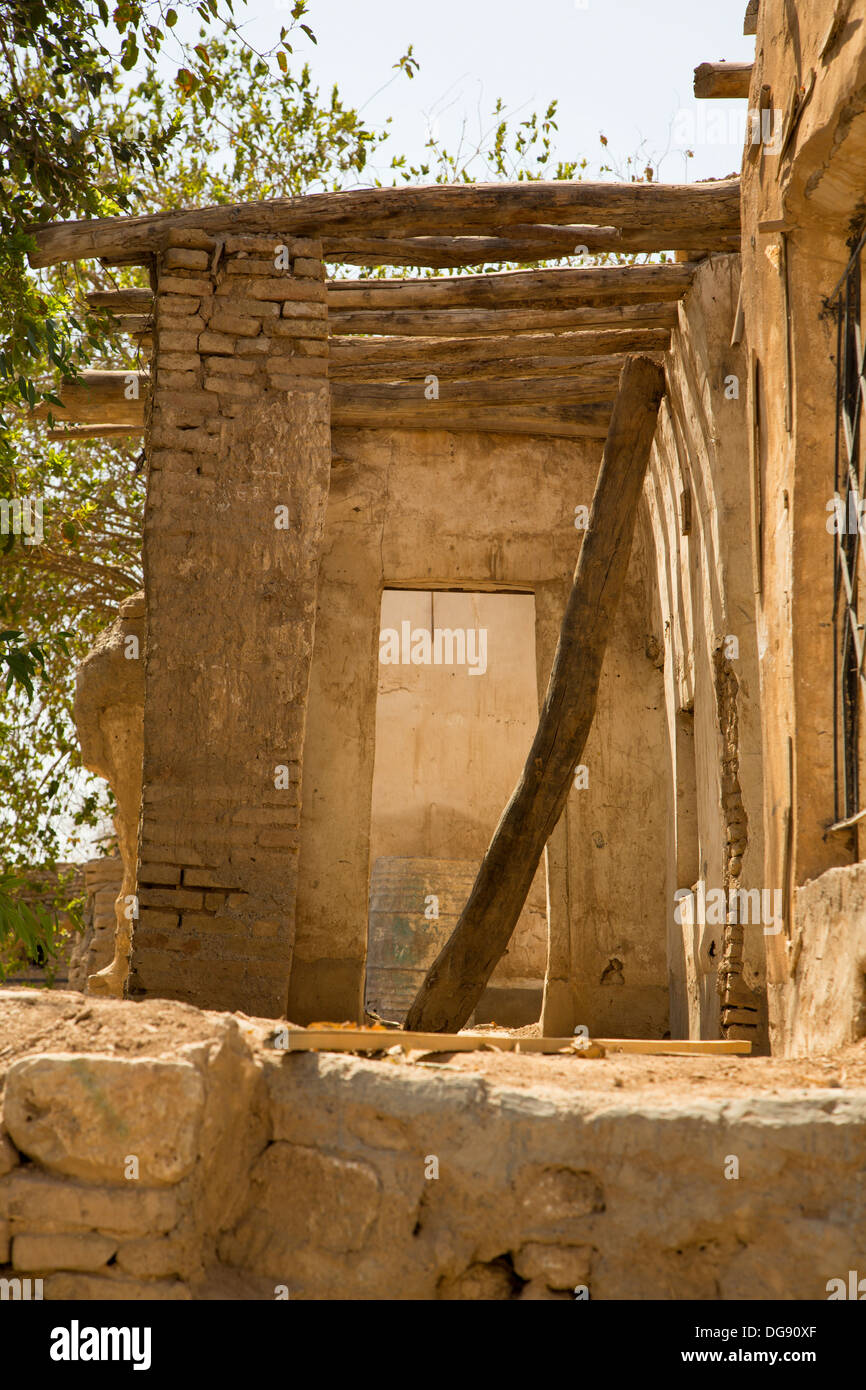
(239, 459)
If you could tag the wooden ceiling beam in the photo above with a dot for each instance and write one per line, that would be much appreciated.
(517, 288)
(422, 354)
(722, 81)
(477, 323)
(687, 214)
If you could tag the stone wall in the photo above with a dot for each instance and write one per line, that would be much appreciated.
(239, 455)
(178, 1155)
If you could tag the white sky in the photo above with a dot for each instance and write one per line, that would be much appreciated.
(623, 67)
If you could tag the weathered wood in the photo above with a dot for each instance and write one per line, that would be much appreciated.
(723, 80)
(447, 251)
(118, 397)
(529, 288)
(453, 323)
(122, 301)
(98, 398)
(363, 358)
(456, 980)
(328, 1038)
(558, 420)
(566, 411)
(699, 212)
(750, 23)
(137, 326)
(594, 380)
(96, 431)
(442, 253)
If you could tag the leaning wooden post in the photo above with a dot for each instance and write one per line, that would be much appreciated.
(458, 976)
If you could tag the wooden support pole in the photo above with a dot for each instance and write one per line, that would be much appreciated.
(687, 215)
(722, 81)
(750, 23)
(458, 976)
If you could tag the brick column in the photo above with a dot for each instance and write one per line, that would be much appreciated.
(239, 459)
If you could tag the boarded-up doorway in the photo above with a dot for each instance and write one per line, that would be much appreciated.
(456, 713)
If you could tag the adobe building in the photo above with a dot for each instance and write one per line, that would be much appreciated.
(340, 472)
(320, 448)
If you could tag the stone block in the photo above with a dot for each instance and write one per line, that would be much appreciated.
(178, 361)
(39, 1202)
(185, 258)
(170, 897)
(212, 342)
(179, 323)
(163, 874)
(83, 1116)
(178, 305)
(309, 267)
(231, 386)
(227, 320)
(173, 341)
(302, 1197)
(251, 265)
(559, 1266)
(184, 285)
(191, 237)
(39, 1252)
(176, 381)
(293, 290)
(234, 366)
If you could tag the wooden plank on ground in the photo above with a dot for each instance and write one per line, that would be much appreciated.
(339, 1039)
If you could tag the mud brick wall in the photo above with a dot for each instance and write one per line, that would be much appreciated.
(239, 462)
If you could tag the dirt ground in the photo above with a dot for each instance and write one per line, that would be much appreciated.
(63, 1021)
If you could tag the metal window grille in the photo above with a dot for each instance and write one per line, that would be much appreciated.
(850, 560)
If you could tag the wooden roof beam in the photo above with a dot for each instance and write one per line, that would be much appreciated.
(687, 214)
(479, 323)
(517, 288)
(722, 81)
(501, 351)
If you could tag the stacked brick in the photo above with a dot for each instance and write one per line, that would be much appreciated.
(239, 461)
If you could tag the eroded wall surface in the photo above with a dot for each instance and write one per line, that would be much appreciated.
(239, 457)
(698, 524)
(801, 203)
